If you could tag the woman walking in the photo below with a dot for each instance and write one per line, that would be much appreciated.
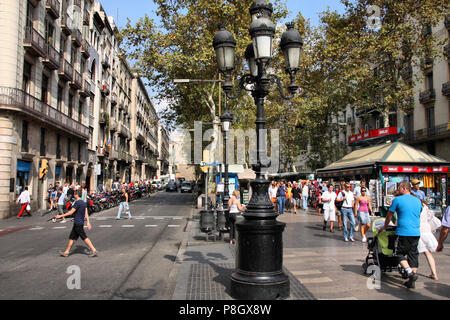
(363, 203)
(427, 241)
(124, 204)
(25, 201)
(235, 214)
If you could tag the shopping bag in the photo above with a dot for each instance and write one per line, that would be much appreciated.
(435, 223)
(28, 207)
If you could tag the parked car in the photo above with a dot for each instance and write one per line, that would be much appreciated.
(171, 186)
(186, 187)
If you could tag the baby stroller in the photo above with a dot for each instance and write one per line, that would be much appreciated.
(382, 250)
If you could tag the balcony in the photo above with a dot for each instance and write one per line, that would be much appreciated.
(86, 17)
(125, 132)
(447, 52)
(105, 63)
(77, 81)
(76, 37)
(66, 23)
(428, 134)
(113, 125)
(65, 70)
(86, 89)
(427, 31)
(17, 100)
(104, 116)
(114, 99)
(35, 43)
(105, 90)
(85, 49)
(52, 7)
(53, 58)
(407, 72)
(427, 96)
(446, 89)
(426, 64)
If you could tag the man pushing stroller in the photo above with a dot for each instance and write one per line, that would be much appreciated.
(408, 209)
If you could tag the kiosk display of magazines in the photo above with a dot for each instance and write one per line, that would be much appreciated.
(385, 166)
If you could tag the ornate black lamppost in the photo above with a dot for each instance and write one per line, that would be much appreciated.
(226, 119)
(259, 257)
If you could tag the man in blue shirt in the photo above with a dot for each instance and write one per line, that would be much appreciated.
(408, 209)
(416, 190)
(80, 212)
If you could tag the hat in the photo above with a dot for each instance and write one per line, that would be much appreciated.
(415, 182)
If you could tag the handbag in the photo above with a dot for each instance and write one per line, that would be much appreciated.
(435, 223)
(28, 207)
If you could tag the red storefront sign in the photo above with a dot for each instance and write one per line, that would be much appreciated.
(373, 134)
(415, 169)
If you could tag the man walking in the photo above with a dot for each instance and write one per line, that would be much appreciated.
(24, 200)
(416, 190)
(296, 197)
(329, 208)
(408, 209)
(61, 203)
(305, 195)
(281, 196)
(348, 202)
(80, 212)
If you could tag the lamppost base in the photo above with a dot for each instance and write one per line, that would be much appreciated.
(259, 262)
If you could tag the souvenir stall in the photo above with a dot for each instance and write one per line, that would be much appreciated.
(385, 166)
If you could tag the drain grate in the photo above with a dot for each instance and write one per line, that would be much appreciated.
(212, 282)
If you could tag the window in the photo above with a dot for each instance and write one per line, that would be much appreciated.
(42, 148)
(60, 98)
(429, 81)
(22, 178)
(44, 90)
(26, 77)
(430, 117)
(92, 71)
(30, 15)
(25, 136)
(69, 154)
(79, 151)
(58, 146)
(70, 106)
(49, 31)
(80, 111)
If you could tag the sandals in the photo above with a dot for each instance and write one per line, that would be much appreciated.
(63, 254)
(93, 254)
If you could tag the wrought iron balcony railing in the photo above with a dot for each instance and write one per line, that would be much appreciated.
(35, 42)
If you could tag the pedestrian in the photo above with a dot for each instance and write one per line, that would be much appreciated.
(289, 197)
(51, 192)
(305, 195)
(319, 200)
(236, 209)
(347, 200)
(444, 230)
(124, 204)
(281, 196)
(328, 199)
(84, 192)
(61, 203)
(25, 201)
(296, 197)
(416, 190)
(427, 242)
(408, 209)
(80, 212)
(339, 205)
(362, 209)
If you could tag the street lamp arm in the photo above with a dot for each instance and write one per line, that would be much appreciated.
(292, 87)
(245, 79)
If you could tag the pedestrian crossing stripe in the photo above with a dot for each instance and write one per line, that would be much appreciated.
(173, 226)
(128, 226)
(151, 226)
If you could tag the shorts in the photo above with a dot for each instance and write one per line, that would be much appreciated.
(363, 217)
(427, 242)
(408, 247)
(78, 232)
(329, 215)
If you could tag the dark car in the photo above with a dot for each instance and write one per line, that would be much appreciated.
(186, 187)
(171, 186)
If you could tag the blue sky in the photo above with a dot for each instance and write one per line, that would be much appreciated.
(134, 9)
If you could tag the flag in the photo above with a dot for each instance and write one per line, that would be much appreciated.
(109, 144)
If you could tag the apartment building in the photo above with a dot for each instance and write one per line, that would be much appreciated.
(163, 152)
(427, 125)
(65, 100)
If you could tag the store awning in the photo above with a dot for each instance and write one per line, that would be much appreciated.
(364, 161)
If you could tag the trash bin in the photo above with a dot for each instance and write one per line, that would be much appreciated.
(207, 222)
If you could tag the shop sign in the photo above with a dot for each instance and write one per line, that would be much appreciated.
(415, 169)
(373, 134)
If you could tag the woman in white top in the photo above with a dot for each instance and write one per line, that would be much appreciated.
(329, 208)
(427, 241)
(235, 208)
(25, 201)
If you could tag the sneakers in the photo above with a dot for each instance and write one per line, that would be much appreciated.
(411, 283)
(346, 240)
(352, 240)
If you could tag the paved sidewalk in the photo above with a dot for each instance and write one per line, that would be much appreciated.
(320, 265)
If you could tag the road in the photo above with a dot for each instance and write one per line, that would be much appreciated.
(135, 259)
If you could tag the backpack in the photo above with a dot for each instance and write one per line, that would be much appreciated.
(340, 203)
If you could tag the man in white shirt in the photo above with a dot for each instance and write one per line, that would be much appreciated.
(273, 194)
(329, 208)
(24, 199)
(305, 196)
(348, 199)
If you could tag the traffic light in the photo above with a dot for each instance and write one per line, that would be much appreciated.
(44, 169)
